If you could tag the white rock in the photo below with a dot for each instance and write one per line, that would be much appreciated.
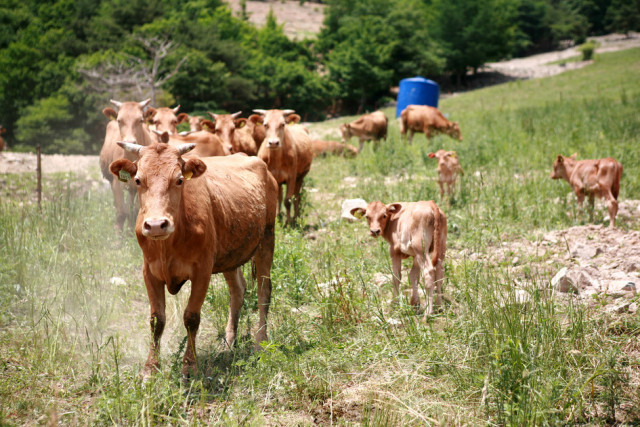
(563, 283)
(621, 288)
(619, 275)
(117, 281)
(380, 279)
(633, 307)
(515, 261)
(585, 281)
(393, 321)
(618, 308)
(585, 252)
(349, 204)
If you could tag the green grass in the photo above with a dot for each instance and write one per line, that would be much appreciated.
(72, 343)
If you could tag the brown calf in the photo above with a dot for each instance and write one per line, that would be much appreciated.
(323, 148)
(593, 178)
(448, 169)
(200, 217)
(368, 127)
(415, 229)
(422, 118)
(287, 152)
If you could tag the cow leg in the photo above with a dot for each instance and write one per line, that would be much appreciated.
(441, 190)
(361, 145)
(279, 200)
(264, 260)
(155, 291)
(118, 202)
(439, 281)
(429, 275)
(592, 206)
(296, 201)
(612, 204)
(291, 186)
(237, 287)
(414, 278)
(410, 136)
(427, 132)
(396, 261)
(191, 318)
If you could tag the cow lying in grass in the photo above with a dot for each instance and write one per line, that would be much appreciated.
(418, 230)
(200, 217)
(593, 178)
(448, 169)
(323, 148)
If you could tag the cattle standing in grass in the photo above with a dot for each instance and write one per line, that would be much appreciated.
(200, 217)
(448, 169)
(258, 129)
(207, 144)
(2, 132)
(225, 129)
(287, 152)
(126, 125)
(323, 148)
(429, 120)
(593, 178)
(243, 141)
(368, 127)
(418, 230)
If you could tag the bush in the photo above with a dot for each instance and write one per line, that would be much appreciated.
(587, 50)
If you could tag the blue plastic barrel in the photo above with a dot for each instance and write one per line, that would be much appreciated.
(417, 91)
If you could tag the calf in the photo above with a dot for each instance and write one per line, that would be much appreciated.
(593, 178)
(414, 229)
(200, 217)
(448, 169)
(322, 148)
(288, 155)
(422, 118)
(368, 127)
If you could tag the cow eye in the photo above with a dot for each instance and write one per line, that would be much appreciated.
(385, 215)
(179, 182)
(137, 181)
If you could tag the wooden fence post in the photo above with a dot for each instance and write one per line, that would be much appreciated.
(39, 174)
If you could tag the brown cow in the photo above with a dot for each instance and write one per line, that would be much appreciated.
(415, 229)
(448, 169)
(125, 125)
(225, 127)
(2, 132)
(593, 178)
(243, 141)
(165, 119)
(288, 154)
(322, 148)
(195, 122)
(422, 118)
(200, 217)
(258, 129)
(368, 127)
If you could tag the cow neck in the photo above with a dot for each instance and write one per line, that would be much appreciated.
(568, 168)
(391, 226)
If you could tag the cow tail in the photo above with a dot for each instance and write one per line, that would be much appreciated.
(615, 189)
(437, 224)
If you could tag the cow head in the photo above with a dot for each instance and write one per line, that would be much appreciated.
(445, 158)
(454, 131)
(130, 118)
(274, 124)
(160, 174)
(165, 119)
(377, 215)
(195, 123)
(560, 166)
(225, 127)
(345, 130)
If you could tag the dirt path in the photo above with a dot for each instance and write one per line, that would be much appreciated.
(537, 66)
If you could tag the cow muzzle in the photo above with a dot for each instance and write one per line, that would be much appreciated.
(157, 228)
(375, 233)
(273, 143)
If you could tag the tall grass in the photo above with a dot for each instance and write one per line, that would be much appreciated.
(72, 341)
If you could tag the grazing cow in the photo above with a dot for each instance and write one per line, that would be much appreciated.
(225, 128)
(593, 178)
(200, 217)
(288, 154)
(2, 132)
(415, 229)
(323, 148)
(368, 127)
(422, 118)
(207, 144)
(125, 125)
(448, 169)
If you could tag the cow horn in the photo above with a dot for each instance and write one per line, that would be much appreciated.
(287, 112)
(234, 115)
(175, 110)
(132, 148)
(213, 116)
(116, 103)
(263, 112)
(145, 103)
(185, 148)
(187, 132)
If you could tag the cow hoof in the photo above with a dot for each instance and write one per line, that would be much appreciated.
(189, 369)
(149, 370)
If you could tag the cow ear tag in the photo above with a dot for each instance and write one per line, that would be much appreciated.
(124, 176)
(241, 125)
(358, 215)
(188, 175)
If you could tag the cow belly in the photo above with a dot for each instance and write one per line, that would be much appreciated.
(236, 246)
(406, 244)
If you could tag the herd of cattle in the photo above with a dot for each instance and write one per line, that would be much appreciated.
(209, 199)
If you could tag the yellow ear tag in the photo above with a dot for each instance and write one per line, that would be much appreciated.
(358, 215)
(112, 117)
(241, 125)
(292, 122)
(188, 175)
(124, 176)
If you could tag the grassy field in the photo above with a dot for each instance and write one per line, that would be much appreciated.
(74, 312)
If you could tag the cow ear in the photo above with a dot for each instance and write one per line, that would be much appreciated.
(183, 117)
(255, 118)
(432, 155)
(123, 169)
(110, 113)
(208, 126)
(573, 156)
(560, 159)
(358, 212)
(394, 208)
(240, 123)
(292, 119)
(148, 115)
(193, 168)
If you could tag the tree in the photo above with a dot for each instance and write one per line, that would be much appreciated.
(623, 16)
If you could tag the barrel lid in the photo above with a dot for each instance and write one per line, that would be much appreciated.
(419, 79)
